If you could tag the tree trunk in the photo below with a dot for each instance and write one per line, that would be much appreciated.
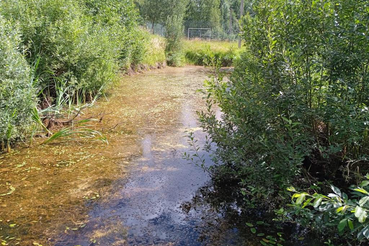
(230, 21)
(8, 148)
(241, 15)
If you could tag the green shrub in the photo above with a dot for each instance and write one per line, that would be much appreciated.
(174, 36)
(75, 47)
(335, 212)
(298, 94)
(155, 50)
(17, 94)
(78, 43)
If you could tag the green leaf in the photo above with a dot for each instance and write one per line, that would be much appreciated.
(249, 225)
(342, 209)
(361, 190)
(336, 190)
(317, 202)
(360, 214)
(342, 225)
(350, 224)
(307, 202)
(363, 200)
(301, 198)
(291, 188)
(366, 232)
(263, 243)
(364, 183)
(253, 230)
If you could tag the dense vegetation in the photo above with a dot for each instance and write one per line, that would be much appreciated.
(296, 109)
(210, 53)
(222, 16)
(175, 17)
(17, 92)
(294, 112)
(63, 51)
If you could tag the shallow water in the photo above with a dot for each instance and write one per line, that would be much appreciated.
(138, 189)
(63, 187)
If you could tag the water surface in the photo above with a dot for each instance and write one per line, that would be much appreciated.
(138, 189)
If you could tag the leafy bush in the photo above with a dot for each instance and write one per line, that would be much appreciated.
(174, 36)
(298, 94)
(335, 211)
(148, 49)
(75, 48)
(154, 50)
(17, 94)
(77, 43)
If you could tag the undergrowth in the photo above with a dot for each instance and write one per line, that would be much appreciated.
(204, 53)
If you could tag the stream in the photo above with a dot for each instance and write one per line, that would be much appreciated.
(136, 190)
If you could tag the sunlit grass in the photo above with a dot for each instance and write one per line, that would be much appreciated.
(221, 46)
(209, 53)
(155, 50)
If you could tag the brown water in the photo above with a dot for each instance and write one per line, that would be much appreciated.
(138, 189)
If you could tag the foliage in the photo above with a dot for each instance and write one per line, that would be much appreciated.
(335, 211)
(207, 53)
(78, 43)
(222, 16)
(153, 11)
(298, 92)
(203, 13)
(75, 49)
(17, 93)
(174, 35)
(154, 51)
(174, 32)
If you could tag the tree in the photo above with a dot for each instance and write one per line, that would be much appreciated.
(298, 95)
(174, 31)
(203, 13)
(153, 11)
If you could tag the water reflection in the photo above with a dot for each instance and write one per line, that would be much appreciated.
(146, 208)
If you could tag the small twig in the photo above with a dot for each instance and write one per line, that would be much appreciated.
(74, 117)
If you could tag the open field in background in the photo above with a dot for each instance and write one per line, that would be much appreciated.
(200, 52)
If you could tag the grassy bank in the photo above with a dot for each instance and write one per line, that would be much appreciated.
(204, 53)
(154, 51)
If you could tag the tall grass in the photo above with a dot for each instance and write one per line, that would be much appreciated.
(154, 50)
(200, 52)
